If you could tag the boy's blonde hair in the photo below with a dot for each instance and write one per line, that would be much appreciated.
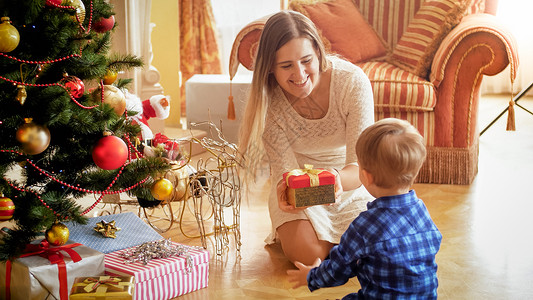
(393, 151)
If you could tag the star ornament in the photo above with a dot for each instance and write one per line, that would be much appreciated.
(107, 229)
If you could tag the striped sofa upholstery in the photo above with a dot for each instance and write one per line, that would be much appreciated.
(437, 54)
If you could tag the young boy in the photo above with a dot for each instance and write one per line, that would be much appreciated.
(390, 247)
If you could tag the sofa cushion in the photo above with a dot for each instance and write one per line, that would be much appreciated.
(339, 20)
(425, 32)
(397, 90)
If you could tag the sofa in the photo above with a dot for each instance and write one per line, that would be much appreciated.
(425, 61)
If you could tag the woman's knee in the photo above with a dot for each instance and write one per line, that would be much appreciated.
(300, 242)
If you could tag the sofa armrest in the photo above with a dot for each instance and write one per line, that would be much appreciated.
(477, 30)
(245, 45)
(478, 46)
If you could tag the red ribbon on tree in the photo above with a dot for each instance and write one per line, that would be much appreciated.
(54, 255)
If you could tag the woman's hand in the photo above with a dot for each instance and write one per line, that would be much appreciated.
(283, 202)
(338, 184)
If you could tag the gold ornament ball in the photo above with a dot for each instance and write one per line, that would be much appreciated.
(110, 77)
(113, 96)
(162, 189)
(181, 188)
(33, 137)
(80, 8)
(58, 234)
(180, 178)
(9, 36)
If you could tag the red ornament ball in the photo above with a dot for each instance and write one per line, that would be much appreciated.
(53, 2)
(7, 208)
(74, 85)
(104, 24)
(110, 152)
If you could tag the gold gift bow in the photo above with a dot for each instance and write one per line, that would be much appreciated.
(108, 229)
(308, 169)
(93, 284)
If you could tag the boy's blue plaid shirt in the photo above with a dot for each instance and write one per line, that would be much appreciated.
(391, 249)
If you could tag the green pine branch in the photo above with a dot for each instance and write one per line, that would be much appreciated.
(49, 184)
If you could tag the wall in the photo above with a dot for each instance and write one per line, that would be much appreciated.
(165, 47)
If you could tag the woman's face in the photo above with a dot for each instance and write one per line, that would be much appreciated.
(296, 67)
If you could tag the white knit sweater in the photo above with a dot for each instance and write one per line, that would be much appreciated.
(291, 141)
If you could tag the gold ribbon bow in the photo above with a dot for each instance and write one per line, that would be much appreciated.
(108, 229)
(308, 169)
(93, 284)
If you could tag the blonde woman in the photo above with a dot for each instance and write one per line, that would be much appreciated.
(305, 107)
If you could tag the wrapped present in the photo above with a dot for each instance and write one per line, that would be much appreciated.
(308, 186)
(102, 287)
(133, 232)
(48, 272)
(161, 278)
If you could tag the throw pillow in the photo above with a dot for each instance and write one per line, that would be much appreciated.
(415, 50)
(343, 29)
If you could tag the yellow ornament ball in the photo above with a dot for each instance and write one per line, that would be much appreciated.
(110, 77)
(162, 189)
(58, 234)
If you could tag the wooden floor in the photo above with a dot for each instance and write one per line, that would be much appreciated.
(487, 247)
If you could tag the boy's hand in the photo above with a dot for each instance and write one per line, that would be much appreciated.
(299, 277)
(283, 202)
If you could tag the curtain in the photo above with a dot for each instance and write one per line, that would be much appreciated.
(199, 53)
(516, 16)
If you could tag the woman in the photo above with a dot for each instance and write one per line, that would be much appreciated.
(305, 108)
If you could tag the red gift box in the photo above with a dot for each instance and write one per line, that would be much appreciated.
(308, 186)
(163, 278)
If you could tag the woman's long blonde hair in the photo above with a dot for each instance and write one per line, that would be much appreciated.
(279, 29)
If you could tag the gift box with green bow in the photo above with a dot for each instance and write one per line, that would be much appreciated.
(308, 186)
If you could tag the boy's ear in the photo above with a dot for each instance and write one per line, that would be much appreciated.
(368, 176)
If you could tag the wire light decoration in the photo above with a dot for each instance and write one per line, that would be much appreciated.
(217, 180)
(209, 185)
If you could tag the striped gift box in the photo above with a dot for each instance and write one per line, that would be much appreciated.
(163, 278)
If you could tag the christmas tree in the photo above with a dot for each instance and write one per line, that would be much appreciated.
(64, 131)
